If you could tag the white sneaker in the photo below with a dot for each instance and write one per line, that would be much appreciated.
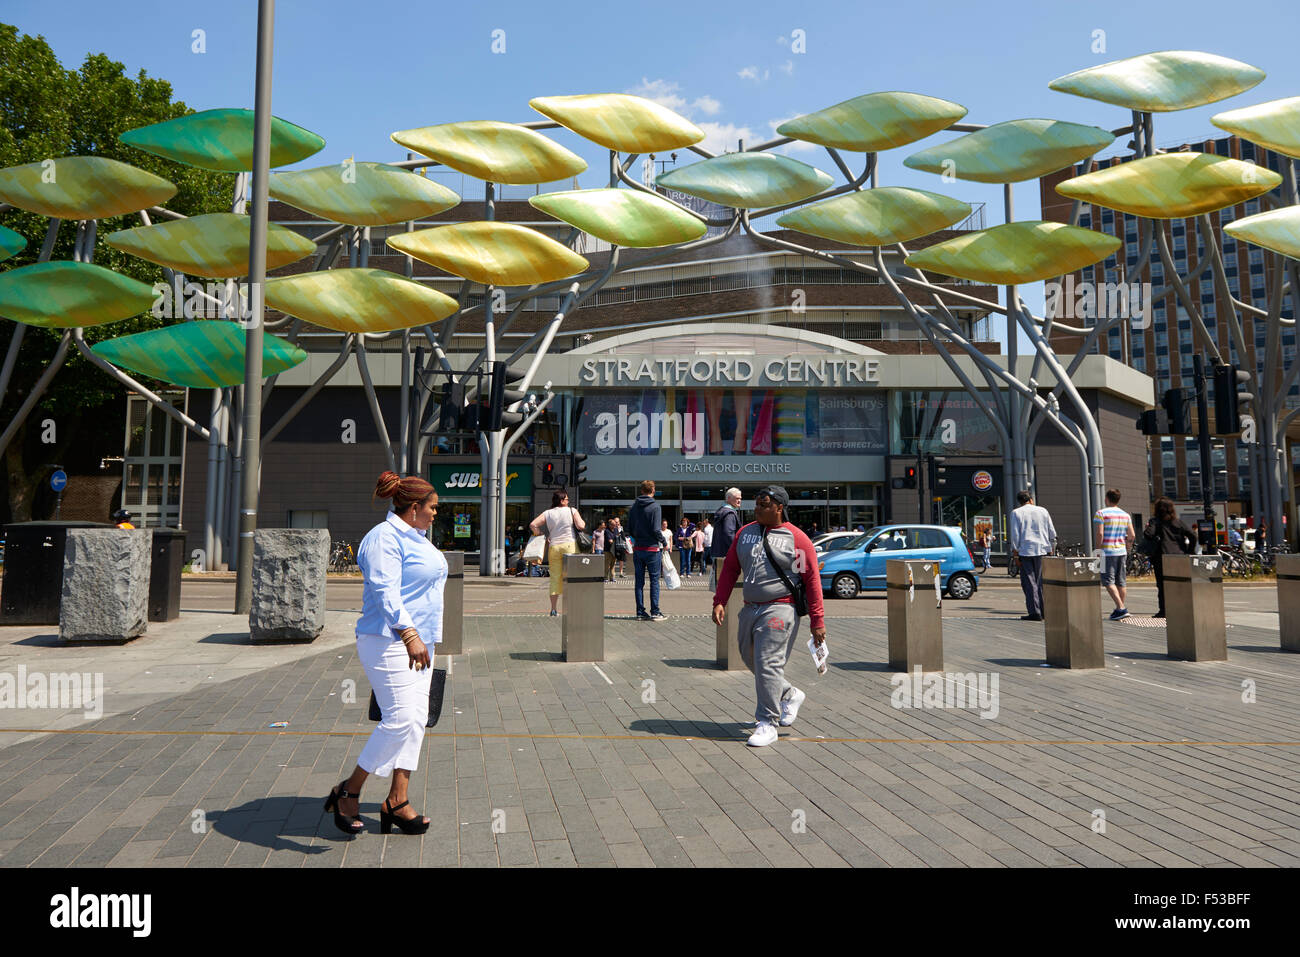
(763, 735)
(790, 707)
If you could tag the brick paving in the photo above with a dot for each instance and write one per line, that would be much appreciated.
(640, 761)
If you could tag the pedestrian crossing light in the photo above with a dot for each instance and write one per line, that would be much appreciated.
(578, 471)
(499, 397)
(1228, 399)
(909, 477)
(938, 473)
(1176, 408)
(548, 474)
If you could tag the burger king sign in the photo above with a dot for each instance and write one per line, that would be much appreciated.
(982, 481)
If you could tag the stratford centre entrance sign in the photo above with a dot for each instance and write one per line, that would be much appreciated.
(758, 371)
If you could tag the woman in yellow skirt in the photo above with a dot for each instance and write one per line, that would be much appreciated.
(559, 521)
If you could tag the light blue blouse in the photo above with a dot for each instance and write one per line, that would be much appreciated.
(404, 578)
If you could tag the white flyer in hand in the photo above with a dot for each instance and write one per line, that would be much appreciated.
(820, 653)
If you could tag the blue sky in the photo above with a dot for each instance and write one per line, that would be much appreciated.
(355, 72)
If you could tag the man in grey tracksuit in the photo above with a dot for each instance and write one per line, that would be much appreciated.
(768, 624)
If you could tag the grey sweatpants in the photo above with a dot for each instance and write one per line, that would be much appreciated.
(766, 636)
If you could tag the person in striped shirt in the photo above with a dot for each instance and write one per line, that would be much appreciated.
(1114, 530)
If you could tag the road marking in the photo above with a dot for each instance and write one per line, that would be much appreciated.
(601, 673)
(1082, 742)
(1151, 683)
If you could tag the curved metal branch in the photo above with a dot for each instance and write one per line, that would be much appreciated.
(151, 397)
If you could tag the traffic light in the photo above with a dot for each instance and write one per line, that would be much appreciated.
(1228, 399)
(1176, 408)
(578, 470)
(909, 477)
(548, 474)
(1153, 422)
(938, 474)
(451, 412)
(499, 397)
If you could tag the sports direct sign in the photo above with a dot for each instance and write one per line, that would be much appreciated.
(982, 481)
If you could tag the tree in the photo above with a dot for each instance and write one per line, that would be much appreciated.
(47, 111)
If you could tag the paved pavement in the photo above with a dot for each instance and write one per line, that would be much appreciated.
(640, 760)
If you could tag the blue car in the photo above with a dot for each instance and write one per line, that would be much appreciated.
(860, 564)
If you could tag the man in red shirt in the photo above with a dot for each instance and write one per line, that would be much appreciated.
(771, 553)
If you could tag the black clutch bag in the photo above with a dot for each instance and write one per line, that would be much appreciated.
(437, 686)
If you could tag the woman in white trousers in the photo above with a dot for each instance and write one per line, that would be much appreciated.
(400, 624)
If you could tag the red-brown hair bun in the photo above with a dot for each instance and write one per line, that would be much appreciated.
(404, 492)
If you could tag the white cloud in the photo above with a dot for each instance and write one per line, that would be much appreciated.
(749, 73)
(787, 67)
(707, 105)
(663, 92)
(723, 137)
(782, 41)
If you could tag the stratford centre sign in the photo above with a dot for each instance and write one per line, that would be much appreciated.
(735, 370)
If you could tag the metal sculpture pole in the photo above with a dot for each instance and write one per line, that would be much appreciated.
(252, 466)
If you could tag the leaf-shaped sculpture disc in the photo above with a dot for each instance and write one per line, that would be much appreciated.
(359, 300)
(11, 243)
(1012, 152)
(748, 180)
(877, 217)
(203, 354)
(1162, 82)
(66, 294)
(624, 217)
(494, 152)
(82, 187)
(874, 121)
(214, 244)
(222, 140)
(496, 254)
(1278, 230)
(1172, 185)
(362, 194)
(1016, 253)
(620, 121)
(1274, 125)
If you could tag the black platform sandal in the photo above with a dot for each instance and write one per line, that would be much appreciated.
(414, 825)
(346, 824)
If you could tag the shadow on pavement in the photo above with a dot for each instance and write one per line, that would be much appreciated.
(267, 823)
(862, 665)
(227, 638)
(712, 730)
(707, 664)
(537, 655)
(1261, 650)
(1017, 662)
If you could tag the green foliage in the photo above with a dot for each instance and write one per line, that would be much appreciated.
(46, 112)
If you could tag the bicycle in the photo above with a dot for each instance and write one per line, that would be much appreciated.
(1137, 565)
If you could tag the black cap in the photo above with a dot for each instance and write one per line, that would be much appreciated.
(776, 493)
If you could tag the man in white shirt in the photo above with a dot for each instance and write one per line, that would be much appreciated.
(707, 529)
(1032, 536)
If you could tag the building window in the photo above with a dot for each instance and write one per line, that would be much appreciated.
(309, 518)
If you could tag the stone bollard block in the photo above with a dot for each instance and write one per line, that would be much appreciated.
(105, 584)
(453, 606)
(726, 642)
(915, 616)
(1072, 612)
(289, 566)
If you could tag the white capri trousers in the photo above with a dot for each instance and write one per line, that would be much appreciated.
(403, 697)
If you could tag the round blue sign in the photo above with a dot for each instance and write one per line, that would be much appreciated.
(59, 480)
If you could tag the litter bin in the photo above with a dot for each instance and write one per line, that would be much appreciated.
(32, 588)
(453, 607)
(165, 574)
(727, 639)
(1072, 612)
(1195, 629)
(582, 622)
(1288, 601)
(915, 617)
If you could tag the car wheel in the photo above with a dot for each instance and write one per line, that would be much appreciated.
(845, 585)
(961, 587)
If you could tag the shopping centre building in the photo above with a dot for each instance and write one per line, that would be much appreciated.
(731, 365)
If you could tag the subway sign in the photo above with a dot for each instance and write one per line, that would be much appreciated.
(464, 482)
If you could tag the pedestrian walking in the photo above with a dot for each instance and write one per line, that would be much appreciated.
(1165, 535)
(986, 543)
(1032, 536)
(685, 545)
(706, 528)
(598, 540)
(697, 547)
(559, 520)
(781, 584)
(644, 521)
(610, 547)
(1113, 531)
(403, 576)
(726, 522)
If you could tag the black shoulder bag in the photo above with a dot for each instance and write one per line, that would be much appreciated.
(800, 599)
(585, 544)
